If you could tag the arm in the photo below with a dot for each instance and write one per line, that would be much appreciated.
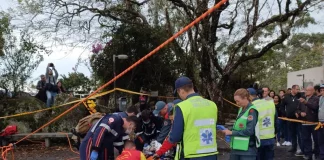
(313, 104)
(101, 132)
(165, 130)
(276, 123)
(39, 85)
(56, 73)
(165, 147)
(250, 125)
(46, 73)
(177, 128)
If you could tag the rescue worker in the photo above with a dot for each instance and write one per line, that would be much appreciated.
(267, 121)
(166, 145)
(99, 139)
(163, 110)
(194, 125)
(119, 142)
(149, 128)
(244, 139)
(130, 152)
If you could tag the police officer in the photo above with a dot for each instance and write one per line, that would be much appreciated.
(149, 128)
(267, 120)
(194, 125)
(244, 139)
(98, 143)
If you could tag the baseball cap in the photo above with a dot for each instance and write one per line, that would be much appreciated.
(158, 107)
(170, 106)
(181, 81)
(321, 86)
(252, 91)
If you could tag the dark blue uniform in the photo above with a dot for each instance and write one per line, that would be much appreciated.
(101, 137)
(146, 132)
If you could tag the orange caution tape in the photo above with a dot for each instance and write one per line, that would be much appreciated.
(218, 5)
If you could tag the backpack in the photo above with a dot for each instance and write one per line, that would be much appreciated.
(85, 123)
(9, 130)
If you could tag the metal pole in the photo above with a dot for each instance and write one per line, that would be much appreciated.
(114, 70)
(303, 81)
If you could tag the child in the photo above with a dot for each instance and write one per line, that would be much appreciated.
(130, 152)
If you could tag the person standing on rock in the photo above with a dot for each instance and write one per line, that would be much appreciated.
(244, 138)
(41, 95)
(51, 87)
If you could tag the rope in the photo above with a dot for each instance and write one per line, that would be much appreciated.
(218, 5)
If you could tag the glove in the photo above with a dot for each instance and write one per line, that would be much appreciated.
(228, 139)
(94, 155)
(220, 127)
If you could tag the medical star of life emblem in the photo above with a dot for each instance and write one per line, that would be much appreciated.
(266, 122)
(206, 137)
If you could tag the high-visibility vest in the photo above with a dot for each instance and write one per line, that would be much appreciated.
(242, 142)
(199, 136)
(266, 118)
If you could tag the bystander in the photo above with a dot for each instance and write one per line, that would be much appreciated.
(308, 111)
(41, 95)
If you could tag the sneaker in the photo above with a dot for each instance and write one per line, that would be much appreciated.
(284, 143)
(307, 158)
(288, 144)
(278, 144)
(299, 154)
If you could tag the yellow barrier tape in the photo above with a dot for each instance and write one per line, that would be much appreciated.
(45, 109)
(138, 93)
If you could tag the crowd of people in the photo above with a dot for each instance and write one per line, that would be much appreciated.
(179, 129)
(49, 86)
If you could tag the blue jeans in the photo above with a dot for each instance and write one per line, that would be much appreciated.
(284, 127)
(50, 98)
(295, 134)
(266, 152)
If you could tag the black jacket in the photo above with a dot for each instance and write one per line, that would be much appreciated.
(310, 108)
(290, 104)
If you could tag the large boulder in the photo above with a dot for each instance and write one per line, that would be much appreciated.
(31, 122)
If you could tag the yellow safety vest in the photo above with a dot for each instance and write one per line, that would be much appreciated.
(199, 136)
(266, 118)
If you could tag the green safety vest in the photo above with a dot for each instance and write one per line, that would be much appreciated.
(242, 142)
(266, 118)
(199, 135)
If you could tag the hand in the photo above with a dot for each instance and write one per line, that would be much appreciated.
(296, 115)
(155, 156)
(303, 114)
(302, 100)
(227, 132)
(94, 155)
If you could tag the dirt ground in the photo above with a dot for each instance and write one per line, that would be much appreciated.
(63, 152)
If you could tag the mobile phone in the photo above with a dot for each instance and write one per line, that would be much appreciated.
(51, 65)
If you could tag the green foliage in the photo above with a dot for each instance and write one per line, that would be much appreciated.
(301, 51)
(75, 81)
(157, 72)
(4, 25)
(20, 59)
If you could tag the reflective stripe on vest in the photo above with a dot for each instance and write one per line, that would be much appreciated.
(266, 117)
(240, 142)
(199, 136)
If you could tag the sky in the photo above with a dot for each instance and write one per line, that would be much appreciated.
(63, 58)
(66, 58)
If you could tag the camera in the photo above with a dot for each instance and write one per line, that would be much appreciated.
(51, 65)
